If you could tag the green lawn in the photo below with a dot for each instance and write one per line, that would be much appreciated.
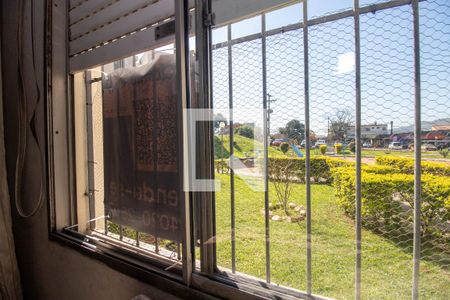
(245, 148)
(386, 272)
(404, 153)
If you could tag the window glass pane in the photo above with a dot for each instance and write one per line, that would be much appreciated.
(129, 136)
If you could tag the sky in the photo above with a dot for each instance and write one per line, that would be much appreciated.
(387, 65)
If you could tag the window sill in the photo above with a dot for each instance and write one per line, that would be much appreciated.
(123, 261)
(151, 269)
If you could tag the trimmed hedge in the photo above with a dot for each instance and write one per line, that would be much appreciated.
(375, 169)
(378, 207)
(406, 165)
(385, 195)
(320, 166)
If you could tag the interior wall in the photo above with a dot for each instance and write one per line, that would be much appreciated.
(48, 269)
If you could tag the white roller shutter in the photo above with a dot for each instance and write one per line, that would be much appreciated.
(101, 31)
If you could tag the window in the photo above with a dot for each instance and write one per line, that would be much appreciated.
(117, 171)
(126, 150)
(285, 208)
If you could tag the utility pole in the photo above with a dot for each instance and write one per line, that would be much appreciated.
(269, 111)
(328, 131)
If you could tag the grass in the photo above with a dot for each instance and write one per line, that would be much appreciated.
(245, 148)
(403, 153)
(386, 268)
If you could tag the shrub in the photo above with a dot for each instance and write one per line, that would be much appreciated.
(435, 209)
(375, 169)
(338, 148)
(245, 131)
(323, 149)
(406, 165)
(283, 176)
(352, 147)
(284, 147)
(444, 153)
(222, 166)
(383, 195)
(320, 167)
(378, 209)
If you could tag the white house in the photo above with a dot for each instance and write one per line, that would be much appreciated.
(369, 131)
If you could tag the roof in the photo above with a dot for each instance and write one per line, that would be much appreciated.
(440, 127)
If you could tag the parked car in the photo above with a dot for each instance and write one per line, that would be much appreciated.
(428, 147)
(395, 146)
(277, 142)
(320, 142)
(442, 146)
(303, 144)
(367, 145)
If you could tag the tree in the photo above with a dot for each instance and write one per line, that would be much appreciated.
(340, 124)
(246, 131)
(294, 131)
(282, 174)
(284, 147)
(312, 136)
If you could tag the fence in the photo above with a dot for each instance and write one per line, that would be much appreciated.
(371, 76)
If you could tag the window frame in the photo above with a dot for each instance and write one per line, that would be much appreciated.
(185, 281)
(61, 143)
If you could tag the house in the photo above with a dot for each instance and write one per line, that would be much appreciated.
(369, 131)
(374, 133)
(441, 127)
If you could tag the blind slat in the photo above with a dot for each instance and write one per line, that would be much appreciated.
(105, 16)
(123, 26)
(82, 9)
(104, 36)
(138, 42)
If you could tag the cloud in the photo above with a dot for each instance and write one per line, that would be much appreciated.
(346, 63)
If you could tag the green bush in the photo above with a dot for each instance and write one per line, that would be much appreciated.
(384, 192)
(284, 147)
(338, 148)
(376, 169)
(435, 209)
(444, 153)
(222, 166)
(283, 175)
(246, 131)
(378, 208)
(406, 165)
(323, 149)
(352, 147)
(320, 166)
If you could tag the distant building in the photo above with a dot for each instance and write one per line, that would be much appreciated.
(440, 127)
(369, 131)
(280, 136)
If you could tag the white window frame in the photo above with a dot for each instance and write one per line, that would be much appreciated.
(61, 157)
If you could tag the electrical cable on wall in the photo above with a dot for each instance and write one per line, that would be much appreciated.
(24, 124)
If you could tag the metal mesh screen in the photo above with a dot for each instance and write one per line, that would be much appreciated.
(268, 69)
